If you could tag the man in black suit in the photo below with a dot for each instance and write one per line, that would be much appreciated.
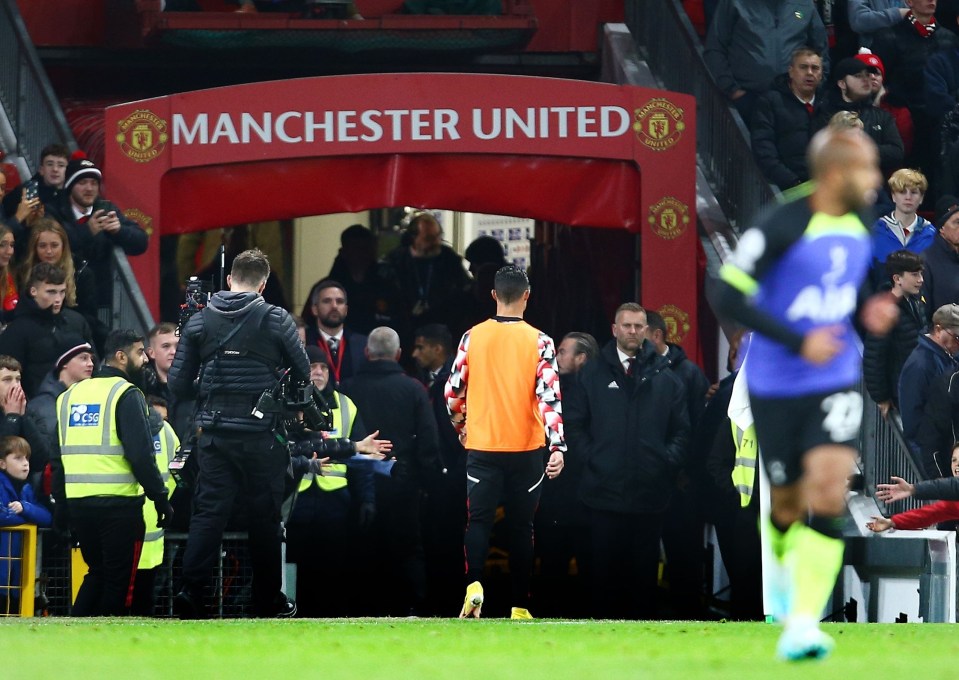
(343, 348)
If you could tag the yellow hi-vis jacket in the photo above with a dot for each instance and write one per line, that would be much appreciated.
(334, 477)
(91, 451)
(165, 444)
(744, 435)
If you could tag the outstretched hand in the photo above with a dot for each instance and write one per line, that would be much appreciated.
(373, 448)
(899, 490)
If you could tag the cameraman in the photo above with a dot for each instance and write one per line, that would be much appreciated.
(235, 346)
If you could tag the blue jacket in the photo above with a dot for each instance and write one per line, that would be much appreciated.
(33, 512)
(927, 362)
(885, 242)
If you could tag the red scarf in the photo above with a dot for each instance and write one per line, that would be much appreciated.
(924, 30)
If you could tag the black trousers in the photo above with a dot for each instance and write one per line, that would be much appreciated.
(625, 564)
(110, 542)
(516, 479)
(251, 469)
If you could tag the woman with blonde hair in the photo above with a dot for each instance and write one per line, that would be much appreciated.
(49, 243)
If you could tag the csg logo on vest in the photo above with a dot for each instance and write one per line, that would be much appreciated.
(85, 415)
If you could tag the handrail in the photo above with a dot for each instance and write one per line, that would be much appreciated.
(36, 119)
(674, 53)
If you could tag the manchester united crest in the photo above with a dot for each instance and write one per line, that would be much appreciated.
(140, 218)
(659, 124)
(142, 135)
(668, 217)
(677, 323)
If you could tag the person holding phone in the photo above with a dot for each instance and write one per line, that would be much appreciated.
(94, 225)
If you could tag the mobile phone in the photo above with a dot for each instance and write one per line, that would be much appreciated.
(31, 190)
(101, 204)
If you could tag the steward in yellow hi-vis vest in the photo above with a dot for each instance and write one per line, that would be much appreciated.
(329, 507)
(104, 454)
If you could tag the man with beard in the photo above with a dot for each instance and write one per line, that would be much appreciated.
(94, 225)
(430, 273)
(343, 348)
(103, 463)
(795, 279)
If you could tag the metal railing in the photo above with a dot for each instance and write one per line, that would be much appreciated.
(33, 118)
(673, 51)
(28, 100)
(884, 454)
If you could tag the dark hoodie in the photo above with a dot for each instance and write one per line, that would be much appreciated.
(233, 380)
(877, 123)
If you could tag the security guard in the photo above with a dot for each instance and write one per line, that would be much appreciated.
(237, 345)
(330, 506)
(102, 465)
(165, 444)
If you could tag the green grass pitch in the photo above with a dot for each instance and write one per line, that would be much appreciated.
(372, 649)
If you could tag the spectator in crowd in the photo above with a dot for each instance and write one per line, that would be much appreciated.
(512, 401)
(900, 113)
(32, 337)
(446, 501)
(48, 242)
(375, 298)
(235, 346)
(782, 123)
(933, 356)
(940, 284)
(13, 403)
(634, 437)
(343, 347)
(902, 228)
(484, 250)
(884, 356)
(9, 296)
(49, 185)
(562, 520)
(941, 89)
(98, 493)
(927, 515)
(398, 407)
(162, 341)
(683, 523)
(866, 17)
(905, 48)
(853, 92)
(750, 43)
(331, 505)
(18, 505)
(26, 210)
(165, 445)
(430, 274)
(94, 225)
(74, 363)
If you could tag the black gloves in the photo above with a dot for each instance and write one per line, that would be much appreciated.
(366, 515)
(164, 512)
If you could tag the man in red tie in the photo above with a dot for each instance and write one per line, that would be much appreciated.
(782, 123)
(343, 348)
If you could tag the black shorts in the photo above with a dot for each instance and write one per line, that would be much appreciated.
(788, 427)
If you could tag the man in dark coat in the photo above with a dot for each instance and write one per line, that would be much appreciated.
(941, 273)
(94, 225)
(884, 356)
(398, 406)
(629, 420)
(343, 347)
(782, 122)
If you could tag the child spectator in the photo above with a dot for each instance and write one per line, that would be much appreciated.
(902, 228)
(8, 285)
(17, 506)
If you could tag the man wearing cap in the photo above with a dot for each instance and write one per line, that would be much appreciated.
(932, 357)
(75, 363)
(941, 273)
(853, 92)
(93, 224)
(782, 123)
